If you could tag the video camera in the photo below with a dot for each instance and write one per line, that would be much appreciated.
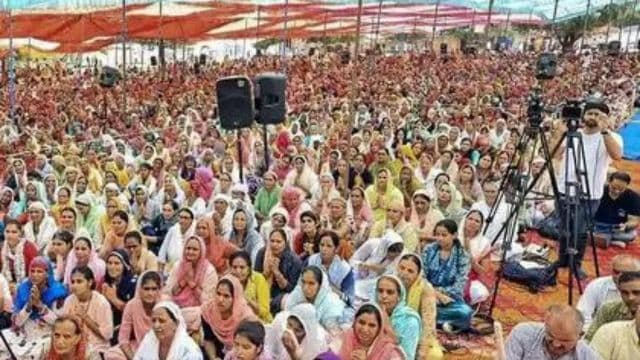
(571, 112)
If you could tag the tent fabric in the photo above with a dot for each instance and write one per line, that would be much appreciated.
(192, 21)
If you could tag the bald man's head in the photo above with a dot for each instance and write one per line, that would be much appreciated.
(624, 263)
(563, 326)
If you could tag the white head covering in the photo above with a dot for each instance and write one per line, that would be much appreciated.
(182, 345)
(314, 342)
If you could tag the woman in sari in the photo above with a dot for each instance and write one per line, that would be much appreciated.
(278, 219)
(423, 217)
(244, 235)
(360, 214)
(323, 194)
(447, 266)
(68, 339)
(296, 334)
(17, 253)
(381, 193)
(468, 185)
(222, 315)
(171, 250)
(293, 201)
(479, 249)
(395, 221)
(144, 209)
(337, 219)
(50, 187)
(267, 197)
(191, 282)
(421, 297)
(280, 266)
(449, 202)
(119, 283)
(314, 288)
(340, 273)
(112, 205)
(408, 184)
(370, 337)
(58, 252)
(88, 304)
(169, 338)
(8, 206)
(83, 254)
(218, 251)
(41, 227)
(63, 200)
(256, 288)
(391, 296)
(141, 258)
(89, 213)
(37, 299)
(136, 317)
(377, 256)
(302, 177)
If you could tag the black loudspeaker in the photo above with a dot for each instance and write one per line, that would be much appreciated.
(345, 57)
(546, 66)
(203, 59)
(154, 61)
(614, 47)
(270, 98)
(235, 102)
(444, 48)
(109, 77)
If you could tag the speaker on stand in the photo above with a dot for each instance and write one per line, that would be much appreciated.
(270, 104)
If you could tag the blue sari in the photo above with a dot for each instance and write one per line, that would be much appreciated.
(406, 322)
(340, 275)
(53, 292)
(449, 276)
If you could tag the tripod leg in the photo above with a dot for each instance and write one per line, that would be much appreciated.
(589, 210)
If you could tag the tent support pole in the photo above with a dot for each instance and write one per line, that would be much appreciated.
(11, 73)
(608, 23)
(378, 21)
(283, 53)
(433, 28)
(354, 71)
(488, 26)
(584, 25)
(124, 61)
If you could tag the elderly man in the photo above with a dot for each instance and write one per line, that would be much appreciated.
(629, 287)
(557, 338)
(618, 340)
(604, 289)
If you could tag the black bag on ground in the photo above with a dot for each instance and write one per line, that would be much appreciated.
(536, 279)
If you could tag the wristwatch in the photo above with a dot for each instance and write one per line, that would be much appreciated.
(604, 132)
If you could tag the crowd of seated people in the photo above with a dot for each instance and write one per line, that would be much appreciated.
(360, 234)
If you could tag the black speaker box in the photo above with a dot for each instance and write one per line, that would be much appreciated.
(235, 102)
(614, 47)
(109, 76)
(271, 98)
(154, 61)
(203, 59)
(444, 48)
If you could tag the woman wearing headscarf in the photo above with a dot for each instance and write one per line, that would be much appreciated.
(296, 334)
(278, 219)
(408, 184)
(244, 235)
(280, 266)
(203, 183)
(339, 271)
(9, 207)
(136, 317)
(143, 208)
(302, 177)
(421, 297)
(41, 226)
(222, 213)
(314, 288)
(33, 192)
(370, 338)
(449, 202)
(89, 213)
(381, 193)
(17, 178)
(218, 251)
(171, 190)
(395, 221)
(37, 298)
(391, 296)
(113, 205)
(169, 338)
(171, 250)
(84, 254)
(267, 197)
(68, 339)
(17, 253)
(50, 187)
(423, 216)
(479, 249)
(63, 200)
(293, 201)
(360, 215)
(192, 280)
(160, 226)
(119, 283)
(323, 194)
(192, 200)
(446, 267)
(222, 315)
(468, 185)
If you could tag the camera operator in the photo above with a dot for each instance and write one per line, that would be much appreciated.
(601, 146)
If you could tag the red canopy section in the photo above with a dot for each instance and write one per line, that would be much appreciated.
(197, 21)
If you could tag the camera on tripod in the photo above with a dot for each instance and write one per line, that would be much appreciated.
(535, 107)
(572, 113)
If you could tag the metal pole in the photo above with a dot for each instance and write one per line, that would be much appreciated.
(435, 18)
(11, 72)
(324, 30)
(506, 26)
(486, 29)
(258, 24)
(354, 70)
(584, 26)
(124, 61)
(609, 22)
(621, 23)
(378, 21)
(244, 40)
(283, 54)
(161, 49)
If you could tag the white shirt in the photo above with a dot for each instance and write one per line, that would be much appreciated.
(499, 218)
(598, 292)
(597, 160)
